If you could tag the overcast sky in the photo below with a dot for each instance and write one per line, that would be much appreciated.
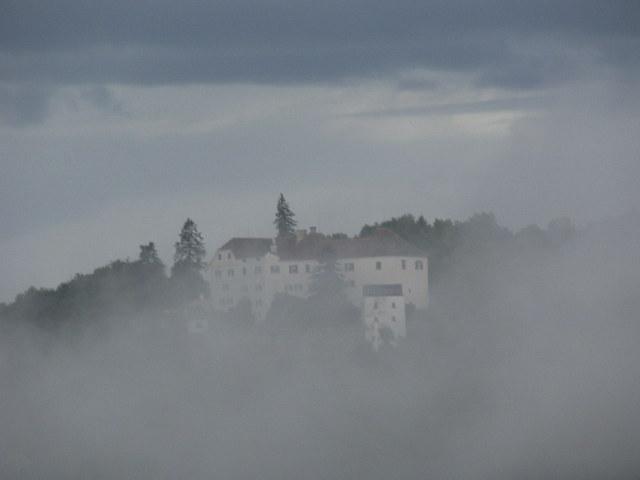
(119, 119)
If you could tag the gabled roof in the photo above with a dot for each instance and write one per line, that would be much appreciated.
(382, 243)
(248, 247)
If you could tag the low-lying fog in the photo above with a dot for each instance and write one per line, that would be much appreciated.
(526, 365)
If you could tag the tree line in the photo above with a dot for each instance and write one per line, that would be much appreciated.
(125, 287)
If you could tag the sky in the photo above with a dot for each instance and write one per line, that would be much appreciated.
(118, 119)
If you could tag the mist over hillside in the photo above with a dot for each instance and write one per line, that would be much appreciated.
(525, 365)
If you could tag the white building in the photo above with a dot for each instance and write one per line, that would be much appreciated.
(256, 269)
(383, 309)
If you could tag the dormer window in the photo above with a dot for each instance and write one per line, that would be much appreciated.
(349, 267)
(275, 269)
(419, 265)
(293, 268)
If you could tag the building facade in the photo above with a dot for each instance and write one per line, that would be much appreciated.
(254, 270)
(383, 313)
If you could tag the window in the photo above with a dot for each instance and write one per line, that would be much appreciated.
(375, 305)
(393, 304)
(404, 264)
(257, 269)
(378, 265)
(393, 319)
(259, 287)
(307, 268)
(219, 256)
(293, 268)
(230, 272)
(228, 256)
(218, 273)
(349, 267)
(419, 265)
(244, 270)
(275, 269)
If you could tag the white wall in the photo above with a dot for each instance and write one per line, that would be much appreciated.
(260, 288)
(380, 312)
(415, 283)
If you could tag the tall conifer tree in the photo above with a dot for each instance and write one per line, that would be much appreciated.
(284, 221)
(190, 252)
(186, 273)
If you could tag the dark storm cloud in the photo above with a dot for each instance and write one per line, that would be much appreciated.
(504, 42)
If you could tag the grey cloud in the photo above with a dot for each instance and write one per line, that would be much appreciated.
(417, 84)
(457, 108)
(23, 105)
(280, 41)
(101, 97)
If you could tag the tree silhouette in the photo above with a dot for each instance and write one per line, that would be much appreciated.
(186, 273)
(190, 251)
(284, 221)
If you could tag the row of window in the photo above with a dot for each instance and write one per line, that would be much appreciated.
(375, 305)
(418, 265)
(293, 269)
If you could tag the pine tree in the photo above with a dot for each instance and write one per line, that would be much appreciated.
(190, 250)
(149, 255)
(186, 273)
(284, 221)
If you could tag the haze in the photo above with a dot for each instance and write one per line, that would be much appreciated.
(119, 120)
